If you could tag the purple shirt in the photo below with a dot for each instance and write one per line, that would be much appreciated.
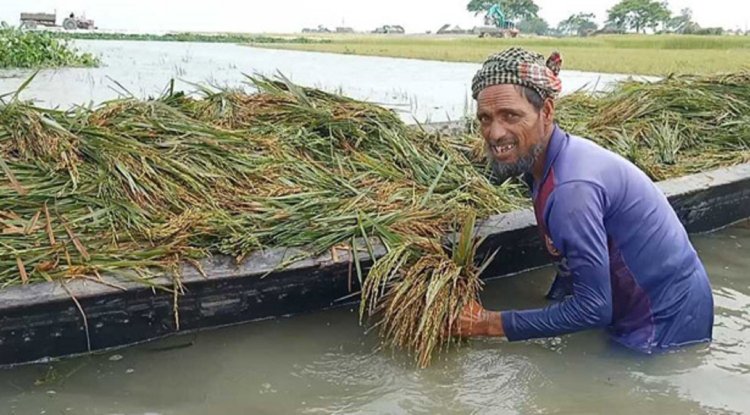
(612, 232)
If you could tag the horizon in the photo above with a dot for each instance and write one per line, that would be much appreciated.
(418, 16)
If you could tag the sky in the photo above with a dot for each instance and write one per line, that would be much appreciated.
(288, 16)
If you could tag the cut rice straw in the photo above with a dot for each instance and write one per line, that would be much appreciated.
(139, 186)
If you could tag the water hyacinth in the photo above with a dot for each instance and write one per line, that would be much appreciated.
(36, 49)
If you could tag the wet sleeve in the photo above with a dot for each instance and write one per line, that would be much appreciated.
(575, 220)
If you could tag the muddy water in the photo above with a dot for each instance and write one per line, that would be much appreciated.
(322, 364)
(421, 90)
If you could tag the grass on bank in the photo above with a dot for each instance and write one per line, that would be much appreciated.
(631, 54)
(190, 37)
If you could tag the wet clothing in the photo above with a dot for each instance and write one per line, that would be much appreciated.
(620, 250)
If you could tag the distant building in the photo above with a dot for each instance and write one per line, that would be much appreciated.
(319, 29)
(447, 29)
(390, 29)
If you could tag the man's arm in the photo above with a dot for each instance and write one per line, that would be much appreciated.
(576, 224)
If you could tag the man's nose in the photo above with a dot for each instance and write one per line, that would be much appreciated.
(497, 131)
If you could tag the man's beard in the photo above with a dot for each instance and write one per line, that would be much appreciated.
(503, 171)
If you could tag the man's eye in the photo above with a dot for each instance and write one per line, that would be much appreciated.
(484, 119)
(512, 117)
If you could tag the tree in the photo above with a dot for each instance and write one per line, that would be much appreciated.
(660, 14)
(514, 10)
(535, 25)
(638, 14)
(579, 24)
(478, 6)
(683, 23)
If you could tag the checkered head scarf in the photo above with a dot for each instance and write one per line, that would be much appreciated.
(520, 67)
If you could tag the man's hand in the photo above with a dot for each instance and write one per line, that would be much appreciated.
(475, 321)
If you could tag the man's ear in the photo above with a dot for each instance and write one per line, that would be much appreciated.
(548, 111)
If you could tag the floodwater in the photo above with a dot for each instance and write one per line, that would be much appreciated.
(420, 90)
(322, 363)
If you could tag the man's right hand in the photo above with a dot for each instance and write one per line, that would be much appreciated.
(475, 321)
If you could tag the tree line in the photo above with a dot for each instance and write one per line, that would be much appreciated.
(627, 16)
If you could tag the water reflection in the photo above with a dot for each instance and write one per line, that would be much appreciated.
(421, 90)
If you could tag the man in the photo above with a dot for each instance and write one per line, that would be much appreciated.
(624, 259)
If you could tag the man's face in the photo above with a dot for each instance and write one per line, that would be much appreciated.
(514, 132)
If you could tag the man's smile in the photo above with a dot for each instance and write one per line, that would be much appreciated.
(502, 151)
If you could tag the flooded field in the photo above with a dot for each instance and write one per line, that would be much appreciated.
(421, 90)
(322, 363)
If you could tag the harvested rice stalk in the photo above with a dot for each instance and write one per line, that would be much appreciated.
(287, 166)
(673, 127)
(418, 290)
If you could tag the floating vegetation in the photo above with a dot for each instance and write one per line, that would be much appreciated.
(35, 49)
